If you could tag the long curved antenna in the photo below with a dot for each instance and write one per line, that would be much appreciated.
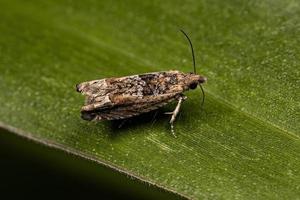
(203, 95)
(194, 62)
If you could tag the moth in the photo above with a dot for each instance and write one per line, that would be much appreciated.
(125, 97)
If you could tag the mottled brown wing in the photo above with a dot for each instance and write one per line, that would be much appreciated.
(111, 92)
(100, 91)
(123, 111)
(124, 97)
(103, 92)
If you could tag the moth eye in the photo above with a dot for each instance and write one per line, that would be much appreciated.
(193, 86)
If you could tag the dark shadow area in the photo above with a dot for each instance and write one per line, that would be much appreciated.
(120, 127)
(31, 170)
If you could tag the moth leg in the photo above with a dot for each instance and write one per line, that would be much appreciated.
(122, 123)
(153, 118)
(175, 113)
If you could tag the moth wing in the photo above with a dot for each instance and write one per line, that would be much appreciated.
(90, 88)
(127, 84)
(108, 101)
(128, 110)
(98, 91)
(146, 91)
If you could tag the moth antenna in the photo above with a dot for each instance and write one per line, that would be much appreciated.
(203, 95)
(194, 64)
(193, 55)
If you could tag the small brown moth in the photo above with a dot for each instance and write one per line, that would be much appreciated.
(125, 97)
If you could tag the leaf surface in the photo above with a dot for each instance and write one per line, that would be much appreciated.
(243, 144)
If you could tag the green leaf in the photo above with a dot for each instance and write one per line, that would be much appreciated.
(244, 144)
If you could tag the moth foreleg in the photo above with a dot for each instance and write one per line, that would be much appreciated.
(175, 113)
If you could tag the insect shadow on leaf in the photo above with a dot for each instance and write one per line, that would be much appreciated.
(150, 119)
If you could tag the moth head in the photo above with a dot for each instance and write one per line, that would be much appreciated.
(194, 80)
